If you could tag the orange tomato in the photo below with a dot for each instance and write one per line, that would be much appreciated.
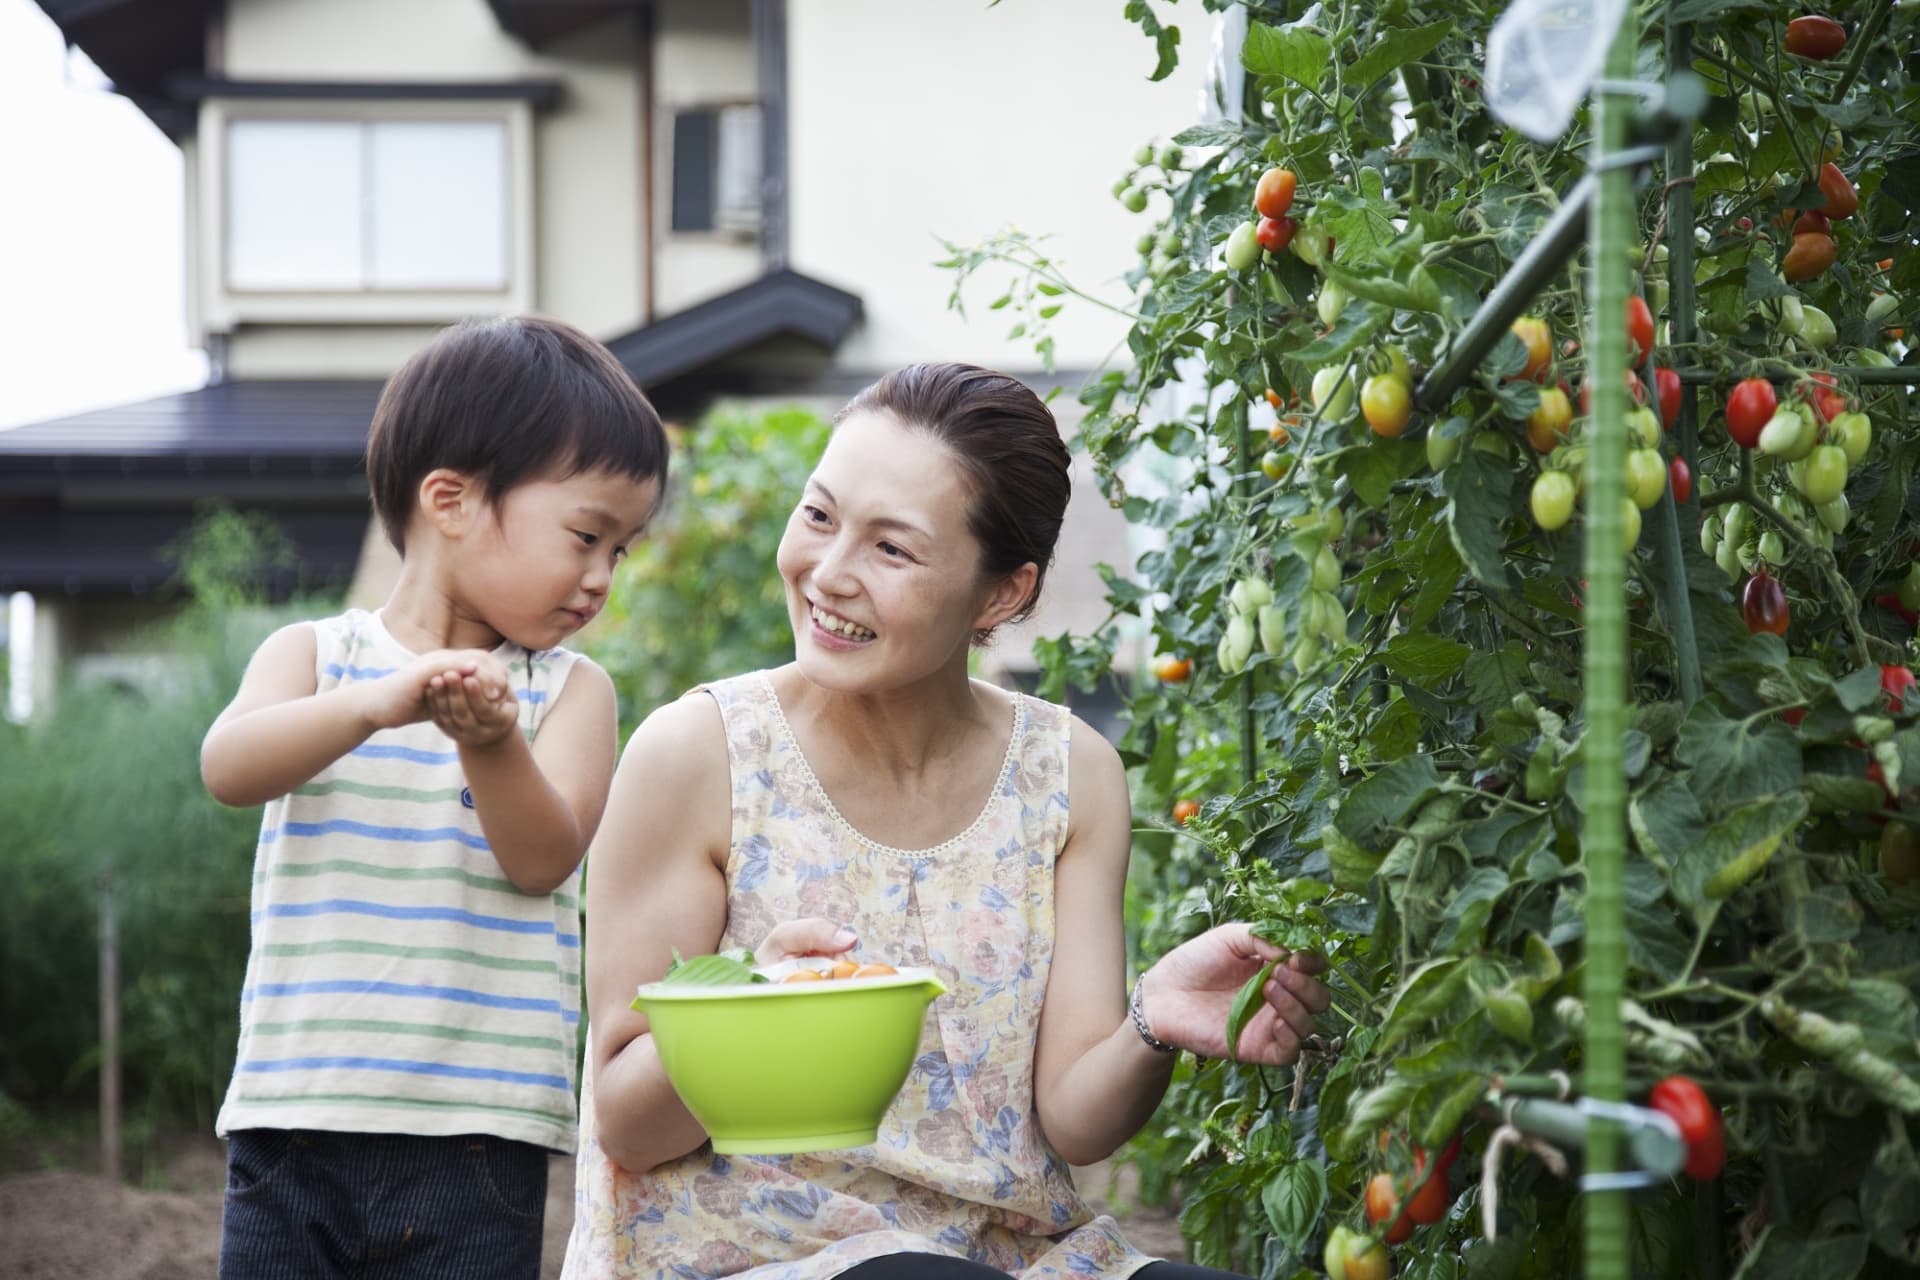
(805, 975)
(1173, 670)
(1842, 199)
(1547, 425)
(874, 969)
(1279, 435)
(843, 969)
(1811, 255)
(1533, 332)
(1383, 1205)
(1273, 194)
(1185, 810)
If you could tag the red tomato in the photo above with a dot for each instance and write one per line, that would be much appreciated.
(1428, 1204)
(1809, 257)
(1763, 605)
(1812, 223)
(1815, 37)
(1680, 480)
(1634, 385)
(1896, 682)
(1667, 382)
(1639, 329)
(1383, 1203)
(1748, 409)
(1842, 199)
(1275, 234)
(1825, 396)
(1699, 1123)
(1273, 195)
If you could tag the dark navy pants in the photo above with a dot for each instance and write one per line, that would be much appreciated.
(305, 1203)
(930, 1266)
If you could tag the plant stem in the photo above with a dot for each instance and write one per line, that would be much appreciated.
(1862, 40)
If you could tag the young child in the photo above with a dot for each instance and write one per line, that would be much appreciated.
(433, 772)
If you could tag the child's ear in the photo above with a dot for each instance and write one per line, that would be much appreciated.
(450, 501)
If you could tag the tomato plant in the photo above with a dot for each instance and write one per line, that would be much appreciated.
(1395, 743)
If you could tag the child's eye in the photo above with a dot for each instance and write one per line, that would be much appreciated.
(586, 539)
(619, 554)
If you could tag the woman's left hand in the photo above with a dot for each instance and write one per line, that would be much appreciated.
(1188, 996)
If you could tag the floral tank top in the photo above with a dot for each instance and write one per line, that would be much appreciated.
(960, 1166)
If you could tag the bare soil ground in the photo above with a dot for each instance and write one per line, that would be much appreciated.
(70, 1224)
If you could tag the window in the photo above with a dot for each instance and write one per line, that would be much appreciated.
(716, 169)
(367, 206)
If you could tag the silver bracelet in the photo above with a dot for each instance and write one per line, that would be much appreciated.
(1140, 1022)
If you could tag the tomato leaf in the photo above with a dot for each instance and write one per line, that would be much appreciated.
(1287, 53)
(1427, 993)
(1763, 281)
(1356, 326)
(1734, 849)
(1246, 1004)
(1294, 1198)
(1386, 799)
(1666, 820)
(1478, 489)
(1735, 760)
(1466, 920)
(1395, 48)
(1424, 658)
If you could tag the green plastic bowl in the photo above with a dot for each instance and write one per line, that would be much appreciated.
(778, 1069)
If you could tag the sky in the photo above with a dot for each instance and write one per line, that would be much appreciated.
(90, 236)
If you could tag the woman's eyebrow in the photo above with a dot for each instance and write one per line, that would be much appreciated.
(878, 522)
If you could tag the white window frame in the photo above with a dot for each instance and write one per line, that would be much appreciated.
(226, 307)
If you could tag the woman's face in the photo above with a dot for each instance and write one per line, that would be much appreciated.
(882, 574)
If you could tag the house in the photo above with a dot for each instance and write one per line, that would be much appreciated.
(742, 197)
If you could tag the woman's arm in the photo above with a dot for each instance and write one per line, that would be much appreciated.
(1096, 1081)
(654, 883)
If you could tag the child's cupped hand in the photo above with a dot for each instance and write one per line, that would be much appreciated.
(470, 700)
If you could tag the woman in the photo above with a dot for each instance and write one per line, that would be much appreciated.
(871, 798)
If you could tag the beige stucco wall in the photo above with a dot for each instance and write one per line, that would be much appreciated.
(586, 154)
(949, 117)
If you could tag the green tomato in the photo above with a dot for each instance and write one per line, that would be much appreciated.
(1169, 155)
(1728, 558)
(1273, 630)
(1397, 365)
(1630, 518)
(1249, 595)
(1910, 588)
(1331, 302)
(1853, 432)
(1643, 425)
(1709, 538)
(1143, 154)
(1333, 393)
(1333, 618)
(1552, 500)
(1646, 477)
(1793, 317)
(1818, 333)
(1243, 248)
(1739, 520)
(1835, 514)
(1773, 549)
(1145, 244)
(1171, 241)
(1334, 1256)
(1326, 570)
(1443, 443)
(1134, 199)
(1274, 464)
(1785, 435)
(1492, 442)
(1120, 185)
(1308, 244)
(1826, 474)
(1872, 358)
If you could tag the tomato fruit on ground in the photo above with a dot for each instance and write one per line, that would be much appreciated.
(1552, 500)
(1900, 853)
(1748, 408)
(1815, 37)
(1547, 424)
(1185, 811)
(1699, 1122)
(1680, 480)
(1639, 329)
(1173, 670)
(1809, 258)
(1896, 682)
(1763, 604)
(1667, 383)
(1842, 200)
(1275, 234)
(1383, 1206)
(1273, 194)
(1533, 333)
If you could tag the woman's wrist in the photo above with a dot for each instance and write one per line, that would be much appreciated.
(1136, 1010)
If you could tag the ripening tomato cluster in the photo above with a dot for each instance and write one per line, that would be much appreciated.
(1806, 448)
(1395, 1206)
(842, 971)
(1255, 619)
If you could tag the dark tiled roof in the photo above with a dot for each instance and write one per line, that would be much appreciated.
(778, 304)
(295, 427)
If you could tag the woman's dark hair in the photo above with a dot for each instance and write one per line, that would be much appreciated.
(1009, 446)
(508, 401)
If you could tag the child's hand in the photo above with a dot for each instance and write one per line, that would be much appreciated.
(470, 700)
(401, 698)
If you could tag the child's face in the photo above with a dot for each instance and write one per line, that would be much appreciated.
(537, 568)
(882, 573)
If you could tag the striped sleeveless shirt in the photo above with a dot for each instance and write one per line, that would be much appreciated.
(398, 982)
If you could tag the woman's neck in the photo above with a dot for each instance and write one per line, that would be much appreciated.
(904, 734)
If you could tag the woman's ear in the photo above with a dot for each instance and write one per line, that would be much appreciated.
(1008, 594)
(449, 501)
